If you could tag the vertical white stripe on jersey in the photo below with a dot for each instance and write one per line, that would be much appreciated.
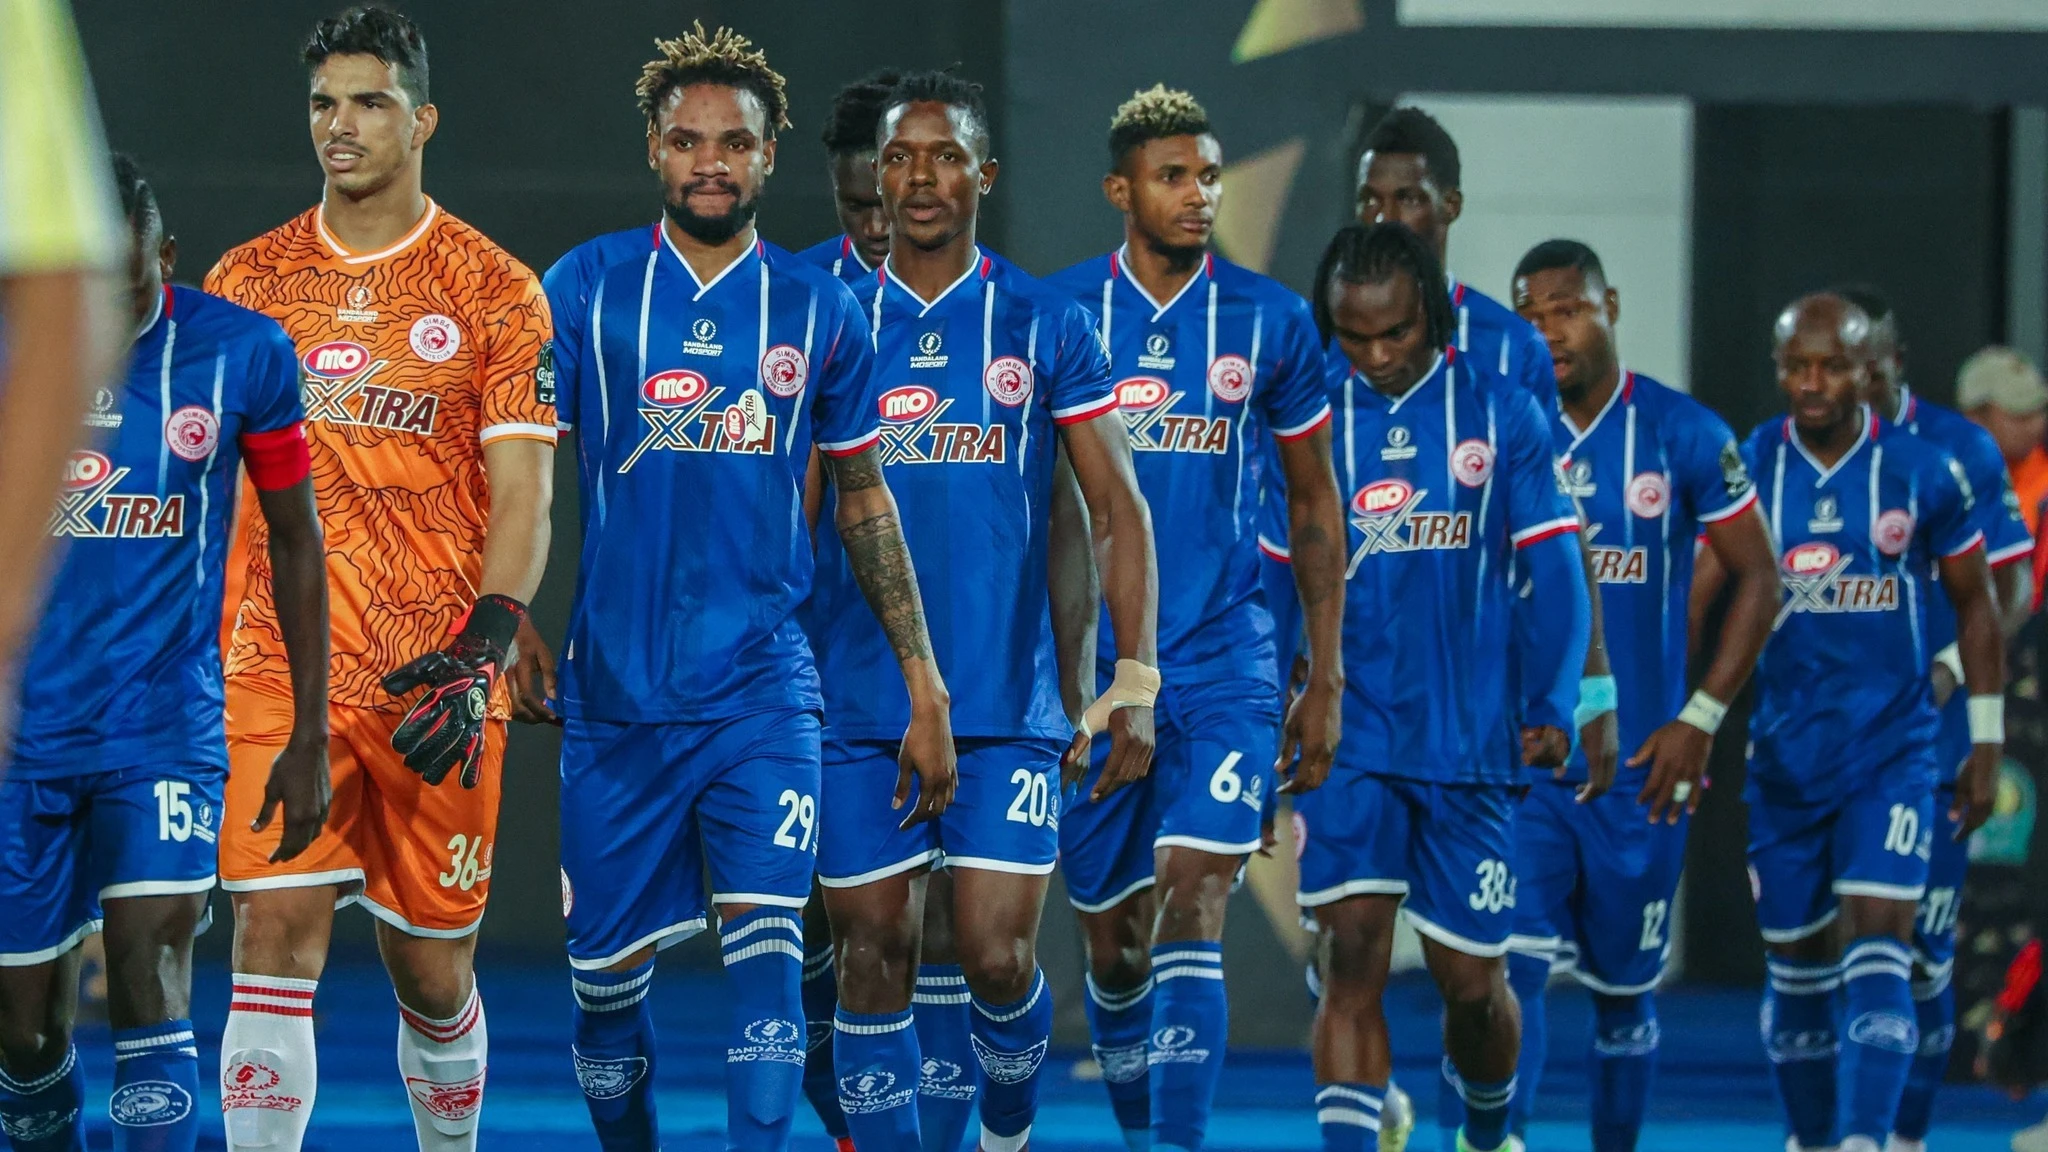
(220, 372)
(1350, 440)
(646, 302)
(1244, 412)
(1209, 364)
(875, 319)
(604, 396)
(163, 447)
(1024, 424)
(761, 343)
(1108, 349)
(1464, 326)
(1778, 501)
(1486, 499)
(796, 409)
(988, 344)
(1450, 430)
(1628, 476)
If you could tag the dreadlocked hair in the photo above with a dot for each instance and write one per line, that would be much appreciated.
(138, 199)
(1154, 114)
(857, 113)
(1372, 255)
(723, 57)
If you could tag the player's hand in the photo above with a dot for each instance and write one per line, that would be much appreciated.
(530, 681)
(444, 728)
(1601, 739)
(1130, 750)
(1269, 837)
(928, 755)
(1944, 682)
(300, 783)
(1308, 738)
(1976, 788)
(1074, 761)
(1545, 747)
(1677, 756)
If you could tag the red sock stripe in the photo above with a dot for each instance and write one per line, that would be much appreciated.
(444, 1032)
(268, 1009)
(267, 990)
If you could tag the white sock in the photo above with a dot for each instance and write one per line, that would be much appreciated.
(268, 1071)
(443, 1062)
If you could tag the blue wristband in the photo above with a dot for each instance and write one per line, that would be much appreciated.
(1597, 696)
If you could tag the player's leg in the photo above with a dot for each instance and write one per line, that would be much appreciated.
(632, 884)
(1106, 862)
(284, 916)
(1547, 874)
(428, 878)
(1211, 787)
(1934, 1000)
(821, 1001)
(154, 835)
(759, 819)
(1001, 838)
(1881, 846)
(1622, 913)
(948, 1087)
(46, 909)
(1351, 835)
(1788, 872)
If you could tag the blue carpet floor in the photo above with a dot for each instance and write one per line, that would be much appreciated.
(1713, 1090)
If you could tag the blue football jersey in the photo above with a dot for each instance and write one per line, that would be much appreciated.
(969, 388)
(1441, 486)
(1653, 468)
(2006, 540)
(125, 666)
(696, 405)
(1842, 688)
(1207, 381)
(568, 285)
(840, 257)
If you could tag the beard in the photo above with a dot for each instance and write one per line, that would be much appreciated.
(711, 230)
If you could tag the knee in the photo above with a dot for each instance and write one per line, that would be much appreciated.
(1352, 961)
(1120, 969)
(277, 945)
(30, 1048)
(875, 971)
(999, 970)
(1191, 907)
(1474, 987)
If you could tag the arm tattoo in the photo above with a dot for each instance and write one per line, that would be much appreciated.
(879, 558)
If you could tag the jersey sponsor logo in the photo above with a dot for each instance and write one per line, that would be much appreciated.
(1617, 565)
(945, 1080)
(1400, 444)
(337, 390)
(784, 370)
(913, 433)
(1892, 531)
(149, 1104)
(192, 432)
(1230, 378)
(1734, 473)
(1008, 380)
(1385, 516)
(1472, 462)
(872, 1090)
(336, 359)
(448, 1100)
(609, 1079)
(1158, 353)
(435, 338)
(1578, 479)
(1814, 582)
(1153, 426)
(1009, 1067)
(1649, 495)
(358, 310)
(702, 340)
(103, 415)
(1827, 516)
(1174, 1044)
(930, 351)
(677, 406)
(88, 495)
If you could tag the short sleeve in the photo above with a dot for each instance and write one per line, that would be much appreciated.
(1996, 507)
(1537, 505)
(1079, 366)
(518, 365)
(1947, 511)
(1709, 475)
(1296, 402)
(273, 401)
(845, 415)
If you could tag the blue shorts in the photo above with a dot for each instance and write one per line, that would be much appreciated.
(1594, 885)
(68, 844)
(1448, 849)
(1869, 839)
(1005, 815)
(645, 807)
(1283, 600)
(1211, 773)
(1934, 929)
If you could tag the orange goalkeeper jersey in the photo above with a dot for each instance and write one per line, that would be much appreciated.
(411, 360)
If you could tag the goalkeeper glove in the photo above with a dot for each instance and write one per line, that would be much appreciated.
(445, 726)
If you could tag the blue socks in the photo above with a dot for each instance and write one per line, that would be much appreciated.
(1349, 1115)
(821, 1081)
(878, 1067)
(1486, 1108)
(1529, 976)
(949, 1086)
(1935, 1004)
(1009, 1043)
(1119, 1022)
(614, 1054)
(764, 1056)
(1881, 1038)
(1190, 1027)
(1798, 1025)
(156, 1088)
(45, 1114)
(1625, 1036)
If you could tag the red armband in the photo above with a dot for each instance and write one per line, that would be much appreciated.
(278, 458)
